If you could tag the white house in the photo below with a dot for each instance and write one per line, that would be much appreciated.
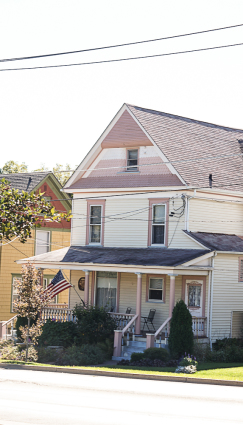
(157, 216)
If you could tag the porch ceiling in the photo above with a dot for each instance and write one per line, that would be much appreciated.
(145, 257)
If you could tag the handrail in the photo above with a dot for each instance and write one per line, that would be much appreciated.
(129, 324)
(161, 327)
(9, 321)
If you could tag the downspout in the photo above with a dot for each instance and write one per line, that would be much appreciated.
(211, 302)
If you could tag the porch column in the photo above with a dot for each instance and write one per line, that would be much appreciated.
(86, 287)
(138, 303)
(172, 292)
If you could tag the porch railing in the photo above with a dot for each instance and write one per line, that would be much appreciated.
(122, 319)
(199, 326)
(7, 328)
(57, 314)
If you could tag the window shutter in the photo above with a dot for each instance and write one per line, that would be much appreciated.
(241, 270)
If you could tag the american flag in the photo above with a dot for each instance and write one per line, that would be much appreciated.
(58, 284)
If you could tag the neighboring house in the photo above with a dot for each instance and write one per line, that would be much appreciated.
(47, 238)
(157, 216)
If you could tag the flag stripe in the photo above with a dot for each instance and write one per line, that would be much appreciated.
(58, 284)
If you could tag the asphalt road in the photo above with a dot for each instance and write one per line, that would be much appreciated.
(28, 397)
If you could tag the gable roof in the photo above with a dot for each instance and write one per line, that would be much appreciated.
(25, 181)
(218, 241)
(122, 256)
(183, 139)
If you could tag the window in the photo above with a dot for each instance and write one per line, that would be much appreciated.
(155, 292)
(95, 224)
(42, 242)
(240, 279)
(158, 225)
(15, 291)
(106, 290)
(46, 282)
(194, 296)
(132, 160)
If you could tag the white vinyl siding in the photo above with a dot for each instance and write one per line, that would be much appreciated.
(79, 221)
(42, 242)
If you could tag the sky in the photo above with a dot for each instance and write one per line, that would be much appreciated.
(51, 116)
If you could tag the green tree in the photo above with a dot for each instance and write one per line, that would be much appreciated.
(59, 171)
(14, 167)
(181, 335)
(21, 212)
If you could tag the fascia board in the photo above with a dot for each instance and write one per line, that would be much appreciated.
(230, 252)
(96, 149)
(194, 240)
(159, 151)
(201, 258)
(131, 189)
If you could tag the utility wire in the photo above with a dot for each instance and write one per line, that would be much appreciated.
(122, 59)
(118, 45)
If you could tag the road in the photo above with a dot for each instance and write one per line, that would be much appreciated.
(29, 397)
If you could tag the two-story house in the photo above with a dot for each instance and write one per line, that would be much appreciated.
(157, 216)
(45, 239)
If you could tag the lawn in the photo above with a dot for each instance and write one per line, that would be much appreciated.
(225, 371)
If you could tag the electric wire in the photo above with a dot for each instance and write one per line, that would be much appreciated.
(122, 59)
(119, 45)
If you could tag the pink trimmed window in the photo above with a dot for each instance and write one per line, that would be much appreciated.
(132, 160)
(95, 222)
(155, 288)
(158, 222)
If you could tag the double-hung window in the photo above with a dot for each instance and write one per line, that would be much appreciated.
(132, 160)
(158, 224)
(42, 244)
(15, 295)
(46, 282)
(155, 292)
(95, 224)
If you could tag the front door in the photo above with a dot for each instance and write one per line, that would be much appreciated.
(194, 296)
(106, 287)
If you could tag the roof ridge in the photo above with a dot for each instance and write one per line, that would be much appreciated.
(30, 172)
(167, 114)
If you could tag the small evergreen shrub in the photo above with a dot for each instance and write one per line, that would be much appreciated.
(136, 357)
(81, 356)
(220, 344)
(181, 335)
(57, 333)
(94, 325)
(156, 354)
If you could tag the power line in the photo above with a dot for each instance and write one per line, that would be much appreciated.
(118, 45)
(122, 59)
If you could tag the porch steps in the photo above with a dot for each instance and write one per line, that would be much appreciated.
(135, 347)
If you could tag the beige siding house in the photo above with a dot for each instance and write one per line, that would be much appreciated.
(157, 217)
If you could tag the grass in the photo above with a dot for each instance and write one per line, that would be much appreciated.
(225, 371)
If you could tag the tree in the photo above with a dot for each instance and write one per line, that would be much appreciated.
(59, 172)
(181, 335)
(32, 299)
(14, 167)
(21, 212)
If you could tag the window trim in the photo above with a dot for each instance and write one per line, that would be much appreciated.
(41, 230)
(239, 269)
(133, 170)
(14, 276)
(155, 276)
(152, 202)
(90, 203)
(203, 285)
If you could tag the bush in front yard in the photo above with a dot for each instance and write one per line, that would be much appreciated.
(181, 335)
(10, 351)
(58, 333)
(136, 357)
(81, 356)
(94, 325)
(156, 354)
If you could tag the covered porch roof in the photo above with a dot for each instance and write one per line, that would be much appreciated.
(132, 259)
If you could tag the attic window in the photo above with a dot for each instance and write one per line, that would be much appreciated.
(241, 145)
(45, 187)
(240, 269)
(132, 160)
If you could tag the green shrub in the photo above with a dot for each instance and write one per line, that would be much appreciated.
(156, 354)
(94, 325)
(136, 357)
(188, 361)
(10, 351)
(81, 356)
(181, 335)
(220, 344)
(48, 355)
(107, 347)
(230, 354)
(58, 333)
(200, 351)
(23, 321)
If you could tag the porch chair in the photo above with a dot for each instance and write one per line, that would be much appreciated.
(149, 319)
(128, 310)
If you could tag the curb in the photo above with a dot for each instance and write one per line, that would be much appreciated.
(113, 374)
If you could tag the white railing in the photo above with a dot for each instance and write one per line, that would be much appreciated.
(164, 327)
(130, 327)
(7, 326)
(57, 305)
(122, 319)
(199, 326)
(57, 314)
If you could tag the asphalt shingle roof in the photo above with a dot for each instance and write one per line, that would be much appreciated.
(25, 181)
(218, 241)
(124, 256)
(183, 139)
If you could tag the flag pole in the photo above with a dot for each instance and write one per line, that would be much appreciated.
(74, 288)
